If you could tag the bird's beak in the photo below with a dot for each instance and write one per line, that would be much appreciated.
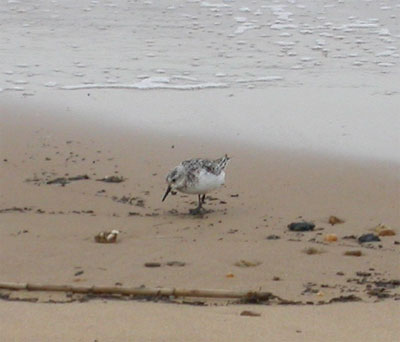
(166, 193)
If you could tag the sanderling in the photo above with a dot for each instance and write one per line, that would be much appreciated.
(197, 176)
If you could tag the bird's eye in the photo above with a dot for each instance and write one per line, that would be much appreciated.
(174, 180)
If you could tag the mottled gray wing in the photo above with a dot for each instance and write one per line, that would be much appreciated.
(194, 165)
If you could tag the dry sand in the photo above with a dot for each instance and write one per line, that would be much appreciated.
(133, 321)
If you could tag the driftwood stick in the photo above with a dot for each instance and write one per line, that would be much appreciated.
(131, 291)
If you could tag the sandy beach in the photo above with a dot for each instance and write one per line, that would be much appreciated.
(304, 98)
(48, 230)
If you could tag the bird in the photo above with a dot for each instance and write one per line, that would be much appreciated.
(197, 176)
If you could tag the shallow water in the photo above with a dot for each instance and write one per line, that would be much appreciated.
(305, 75)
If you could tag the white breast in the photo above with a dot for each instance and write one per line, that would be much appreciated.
(206, 183)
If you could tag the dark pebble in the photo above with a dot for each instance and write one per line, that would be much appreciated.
(176, 263)
(152, 264)
(273, 237)
(368, 238)
(250, 313)
(301, 226)
(363, 274)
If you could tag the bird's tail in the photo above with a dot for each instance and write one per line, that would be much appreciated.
(222, 162)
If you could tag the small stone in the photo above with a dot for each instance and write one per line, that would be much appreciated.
(330, 238)
(250, 313)
(335, 220)
(353, 253)
(368, 238)
(245, 263)
(312, 251)
(387, 232)
(152, 264)
(301, 226)
(230, 275)
(384, 230)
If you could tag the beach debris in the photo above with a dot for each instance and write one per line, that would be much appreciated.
(112, 179)
(250, 313)
(246, 263)
(107, 237)
(313, 250)
(65, 180)
(124, 199)
(301, 226)
(335, 220)
(356, 253)
(330, 238)
(345, 299)
(15, 210)
(275, 278)
(384, 230)
(152, 264)
(273, 237)
(176, 263)
(349, 237)
(230, 275)
(139, 203)
(241, 296)
(368, 238)
(136, 201)
(310, 289)
(379, 292)
(388, 284)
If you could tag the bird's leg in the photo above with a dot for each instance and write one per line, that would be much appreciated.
(203, 198)
(199, 208)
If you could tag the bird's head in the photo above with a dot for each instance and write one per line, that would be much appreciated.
(175, 180)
